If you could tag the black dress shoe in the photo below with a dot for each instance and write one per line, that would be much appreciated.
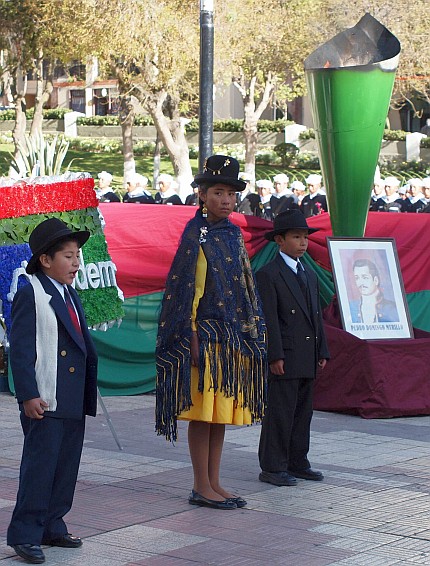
(308, 474)
(65, 541)
(277, 478)
(31, 553)
(197, 499)
(240, 502)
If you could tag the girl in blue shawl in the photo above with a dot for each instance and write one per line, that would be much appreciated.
(211, 352)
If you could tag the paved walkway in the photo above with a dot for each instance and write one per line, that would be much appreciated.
(373, 509)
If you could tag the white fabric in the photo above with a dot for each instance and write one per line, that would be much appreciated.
(46, 345)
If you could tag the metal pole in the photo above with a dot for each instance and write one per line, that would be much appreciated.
(206, 81)
(108, 419)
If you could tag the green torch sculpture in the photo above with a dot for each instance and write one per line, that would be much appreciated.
(350, 80)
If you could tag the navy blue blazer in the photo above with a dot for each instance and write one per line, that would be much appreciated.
(76, 354)
(295, 332)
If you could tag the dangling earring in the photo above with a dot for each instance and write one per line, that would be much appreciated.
(204, 211)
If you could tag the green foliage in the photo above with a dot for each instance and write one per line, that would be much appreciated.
(98, 302)
(48, 114)
(7, 115)
(394, 135)
(308, 134)
(17, 231)
(307, 160)
(287, 152)
(425, 142)
(276, 126)
(404, 170)
(40, 156)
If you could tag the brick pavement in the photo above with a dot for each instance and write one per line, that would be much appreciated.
(373, 509)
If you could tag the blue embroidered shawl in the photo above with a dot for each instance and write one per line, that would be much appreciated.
(229, 315)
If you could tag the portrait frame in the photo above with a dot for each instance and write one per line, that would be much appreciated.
(369, 288)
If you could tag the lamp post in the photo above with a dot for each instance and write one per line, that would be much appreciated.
(206, 81)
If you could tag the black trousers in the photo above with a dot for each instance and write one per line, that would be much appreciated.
(49, 470)
(285, 432)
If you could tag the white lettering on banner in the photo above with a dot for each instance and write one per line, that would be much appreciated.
(93, 275)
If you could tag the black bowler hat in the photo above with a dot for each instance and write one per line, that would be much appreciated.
(221, 169)
(289, 220)
(47, 234)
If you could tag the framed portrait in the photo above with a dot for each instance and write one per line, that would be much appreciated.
(369, 288)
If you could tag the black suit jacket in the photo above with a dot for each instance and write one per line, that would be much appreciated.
(248, 204)
(295, 332)
(76, 355)
(282, 204)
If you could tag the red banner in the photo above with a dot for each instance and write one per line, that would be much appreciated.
(143, 239)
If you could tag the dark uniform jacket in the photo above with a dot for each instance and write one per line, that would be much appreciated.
(313, 206)
(174, 199)
(139, 199)
(248, 204)
(76, 355)
(282, 204)
(295, 332)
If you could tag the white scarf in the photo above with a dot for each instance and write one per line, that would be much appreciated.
(46, 345)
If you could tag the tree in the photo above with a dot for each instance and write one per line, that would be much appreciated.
(262, 46)
(152, 48)
(33, 33)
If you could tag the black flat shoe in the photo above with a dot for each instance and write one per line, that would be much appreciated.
(240, 502)
(309, 474)
(197, 499)
(31, 553)
(65, 541)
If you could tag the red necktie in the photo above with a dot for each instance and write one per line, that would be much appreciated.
(72, 311)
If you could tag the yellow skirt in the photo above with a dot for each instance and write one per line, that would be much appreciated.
(212, 407)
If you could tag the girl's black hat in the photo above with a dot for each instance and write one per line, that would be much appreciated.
(221, 169)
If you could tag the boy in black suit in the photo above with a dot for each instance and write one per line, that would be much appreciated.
(54, 366)
(296, 347)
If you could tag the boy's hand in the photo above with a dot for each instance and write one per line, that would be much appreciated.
(277, 367)
(322, 363)
(34, 408)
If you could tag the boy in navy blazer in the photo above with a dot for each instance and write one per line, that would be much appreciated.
(54, 366)
(296, 347)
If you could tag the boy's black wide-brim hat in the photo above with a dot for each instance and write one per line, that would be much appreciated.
(47, 234)
(221, 169)
(289, 220)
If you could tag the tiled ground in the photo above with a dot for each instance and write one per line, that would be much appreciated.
(373, 509)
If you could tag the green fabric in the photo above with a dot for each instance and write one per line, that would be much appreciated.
(126, 354)
(419, 309)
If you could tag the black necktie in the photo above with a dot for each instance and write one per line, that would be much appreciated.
(302, 279)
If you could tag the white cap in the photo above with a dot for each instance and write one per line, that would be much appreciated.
(415, 181)
(247, 177)
(164, 178)
(391, 182)
(426, 182)
(298, 185)
(313, 179)
(281, 178)
(105, 175)
(264, 184)
(137, 179)
(403, 190)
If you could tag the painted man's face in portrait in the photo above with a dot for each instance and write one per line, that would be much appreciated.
(366, 283)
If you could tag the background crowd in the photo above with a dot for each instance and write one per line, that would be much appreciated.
(269, 197)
